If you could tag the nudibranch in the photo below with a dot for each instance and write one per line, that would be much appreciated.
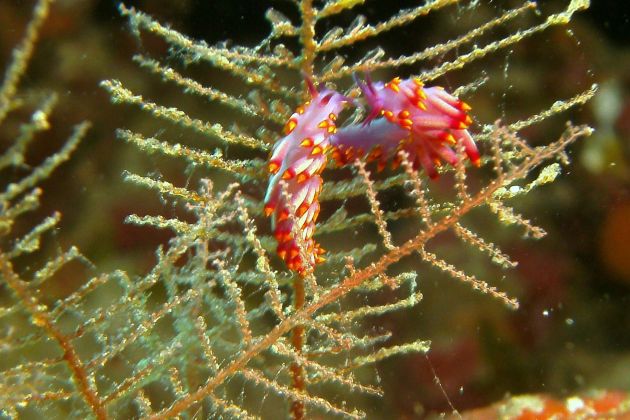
(427, 123)
(297, 161)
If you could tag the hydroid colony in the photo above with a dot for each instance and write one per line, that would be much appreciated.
(233, 326)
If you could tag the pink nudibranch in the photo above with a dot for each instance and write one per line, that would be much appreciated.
(429, 124)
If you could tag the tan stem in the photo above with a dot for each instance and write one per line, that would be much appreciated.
(42, 319)
(297, 340)
(307, 39)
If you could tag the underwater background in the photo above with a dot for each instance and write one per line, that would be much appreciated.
(572, 331)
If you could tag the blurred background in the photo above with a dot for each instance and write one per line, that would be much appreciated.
(572, 332)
